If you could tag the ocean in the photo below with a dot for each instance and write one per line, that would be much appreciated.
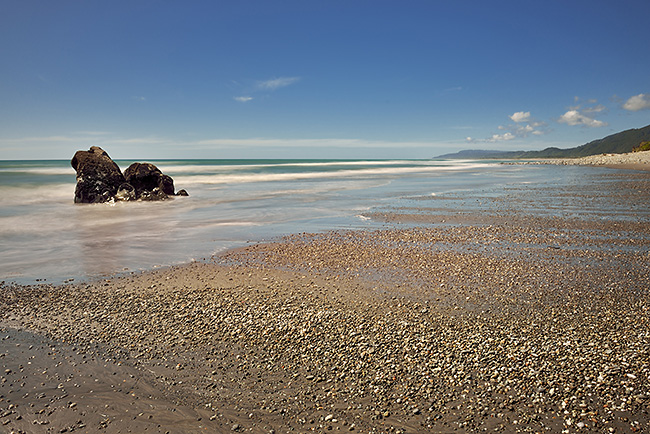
(44, 236)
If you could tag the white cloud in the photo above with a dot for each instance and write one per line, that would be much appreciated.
(501, 137)
(637, 102)
(579, 115)
(523, 127)
(526, 129)
(520, 116)
(276, 83)
(574, 117)
(243, 98)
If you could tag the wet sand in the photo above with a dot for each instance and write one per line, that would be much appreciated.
(496, 322)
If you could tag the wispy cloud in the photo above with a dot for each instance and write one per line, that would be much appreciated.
(276, 83)
(138, 141)
(306, 143)
(139, 98)
(637, 102)
(595, 109)
(92, 133)
(462, 127)
(84, 138)
(45, 139)
(262, 88)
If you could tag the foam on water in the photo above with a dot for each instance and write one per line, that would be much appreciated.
(318, 175)
(43, 234)
(36, 194)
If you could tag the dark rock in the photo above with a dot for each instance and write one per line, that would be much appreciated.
(99, 179)
(146, 177)
(98, 176)
(125, 192)
(155, 194)
(166, 184)
(182, 193)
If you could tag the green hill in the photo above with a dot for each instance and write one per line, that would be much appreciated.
(618, 143)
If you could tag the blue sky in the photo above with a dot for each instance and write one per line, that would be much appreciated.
(151, 79)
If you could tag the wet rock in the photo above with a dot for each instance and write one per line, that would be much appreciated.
(98, 176)
(125, 192)
(99, 179)
(146, 177)
(155, 194)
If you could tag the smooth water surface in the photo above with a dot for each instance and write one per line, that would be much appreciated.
(44, 235)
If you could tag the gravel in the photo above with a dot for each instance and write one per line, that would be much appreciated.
(526, 325)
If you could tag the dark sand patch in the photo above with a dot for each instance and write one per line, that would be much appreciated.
(50, 386)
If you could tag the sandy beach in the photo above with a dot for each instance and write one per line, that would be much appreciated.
(498, 322)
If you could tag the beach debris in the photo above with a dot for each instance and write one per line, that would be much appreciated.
(99, 180)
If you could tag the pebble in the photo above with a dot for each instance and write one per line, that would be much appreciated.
(425, 326)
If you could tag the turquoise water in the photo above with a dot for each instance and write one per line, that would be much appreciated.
(44, 235)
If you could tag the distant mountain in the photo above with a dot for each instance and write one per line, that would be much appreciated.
(618, 143)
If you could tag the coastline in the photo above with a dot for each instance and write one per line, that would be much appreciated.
(517, 323)
(627, 161)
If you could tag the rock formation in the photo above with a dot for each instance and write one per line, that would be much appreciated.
(148, 180)
(98, 176)
(99, 179)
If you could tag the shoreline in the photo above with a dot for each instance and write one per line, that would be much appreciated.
(628, 161)
(518, 323)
